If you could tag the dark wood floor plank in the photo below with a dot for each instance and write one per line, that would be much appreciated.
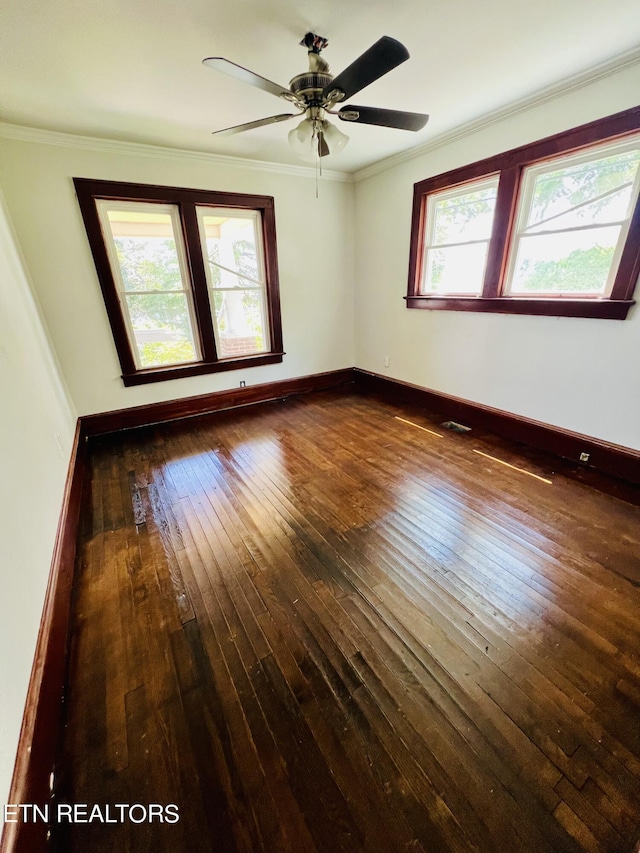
(335, 731)
(461, 736)
(315, 627)
(464, 709)
(263, 779)
(592, 819)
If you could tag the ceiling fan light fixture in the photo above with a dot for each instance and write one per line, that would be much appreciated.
(336, 139)
(301, 139)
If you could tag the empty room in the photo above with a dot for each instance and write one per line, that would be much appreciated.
(320, 435)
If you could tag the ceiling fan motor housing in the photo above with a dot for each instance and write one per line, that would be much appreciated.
(308, 87)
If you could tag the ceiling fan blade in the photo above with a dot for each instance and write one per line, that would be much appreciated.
(250, 125)
(218, 63)
(385, 118)
(382, 57)
(323, 148)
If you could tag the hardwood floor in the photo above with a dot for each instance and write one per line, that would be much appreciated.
(315, 627)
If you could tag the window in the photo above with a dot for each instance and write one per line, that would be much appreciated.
(549, 228)
(189, 277)
(458, 231)
(572, 221)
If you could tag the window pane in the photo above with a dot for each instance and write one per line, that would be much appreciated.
(232, 249)
(235, 274)
(456, 269)
(240, 322)
(161, 328)
(464, 217)
(569, 262)
(146, 250)
(458, 228)
(595, 192)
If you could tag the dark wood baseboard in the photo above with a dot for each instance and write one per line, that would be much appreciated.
(613, 459)
(203, 404)
(42, 721)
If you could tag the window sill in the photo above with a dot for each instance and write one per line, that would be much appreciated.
(163, 374)
(606, 309)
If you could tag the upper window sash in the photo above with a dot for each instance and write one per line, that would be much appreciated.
(494, 297)
(458, 231)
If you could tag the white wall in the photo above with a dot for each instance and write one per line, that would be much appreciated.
(33, 468)
(315, 251)
(578, 374)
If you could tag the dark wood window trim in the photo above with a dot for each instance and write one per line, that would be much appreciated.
(510, 166)
(89, 191)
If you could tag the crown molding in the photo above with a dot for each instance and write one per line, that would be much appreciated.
(623, 61)
(24, 133)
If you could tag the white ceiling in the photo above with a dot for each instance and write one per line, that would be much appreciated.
(131, 69)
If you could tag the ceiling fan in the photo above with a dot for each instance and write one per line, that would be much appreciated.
(316, 93)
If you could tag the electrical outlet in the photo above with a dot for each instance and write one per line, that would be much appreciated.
(243, 384)
(386, 361)
(584, 457)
